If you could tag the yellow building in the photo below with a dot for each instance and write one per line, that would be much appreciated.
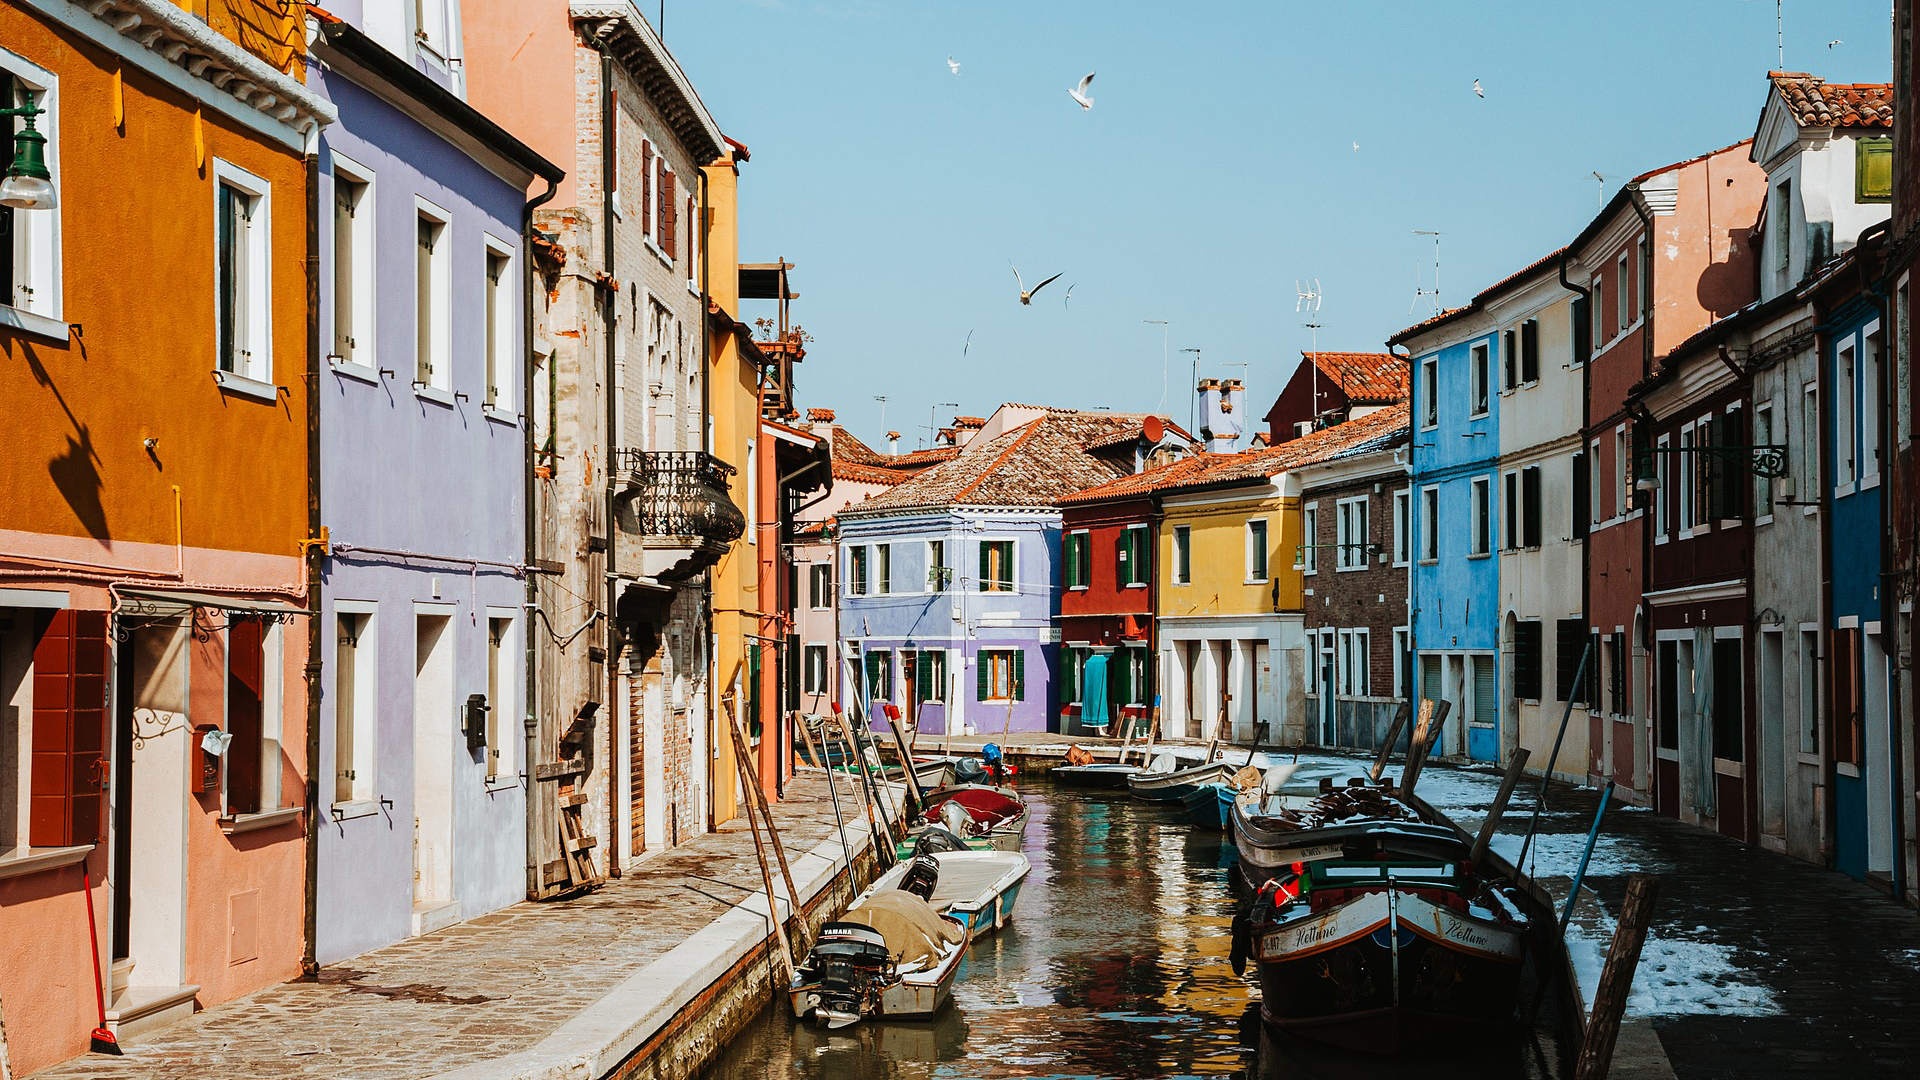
(1229, 592)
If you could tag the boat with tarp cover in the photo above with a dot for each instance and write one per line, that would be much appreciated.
(892, 956)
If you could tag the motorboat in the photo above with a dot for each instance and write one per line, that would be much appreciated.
(1370, 927)
(891, 956)
(1165, 780)
(1210, 806)
(979, 888)
(997, 814)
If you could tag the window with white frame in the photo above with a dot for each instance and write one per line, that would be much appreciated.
(1689, 475)
(354, 705)
(353, 264)
(882, 569)
(1303, 558)
(1782, 214)
(501, 321)
(1510, 510)
(1600, 334)
(432, 299)
(939, 574)
(254, 763)
(814, 679)
(1661, 514)
(856, 575)
(1402, 673)
(879, 676)
(243, 260)
(1131, 562)
(431, 30)
(501, 726)
(1354, 534)
(1810, 441)
(30, 252)
(1482, 516)
(1622, 470)
(1429, 393)
(1844, 407)
(1355, 661)
(1622, 295)
(1872, 361)
(1478, 377)
(1762, 436)
(1810, 696)
(1596, 488)
(1429, 524)
(1183, 554)
(1402, 526)
(820, 586)
(1257, 550)
(996, 566)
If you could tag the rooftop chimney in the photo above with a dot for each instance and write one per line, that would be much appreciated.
(820, 416)
(966, 427)
(893, 442)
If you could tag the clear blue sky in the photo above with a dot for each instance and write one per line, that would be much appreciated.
(1216, 168)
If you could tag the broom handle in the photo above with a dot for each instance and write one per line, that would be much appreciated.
(93, 936)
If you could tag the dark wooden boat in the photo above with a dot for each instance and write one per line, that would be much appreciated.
(998, 814)
(1376, 935)
(1099, 774)
(1210, 805)
(1167, 781)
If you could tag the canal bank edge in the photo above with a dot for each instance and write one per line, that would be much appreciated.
(670, 1018)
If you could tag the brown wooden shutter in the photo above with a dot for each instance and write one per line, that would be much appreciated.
(669, 213)
(646, 185)
(245, 661)
(693, 235)
(68, 785)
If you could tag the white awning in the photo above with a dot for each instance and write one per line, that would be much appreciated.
(143, 601)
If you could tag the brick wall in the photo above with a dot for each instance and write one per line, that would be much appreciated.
(1376, 597)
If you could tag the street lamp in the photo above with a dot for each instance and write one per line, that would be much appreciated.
(28, 184)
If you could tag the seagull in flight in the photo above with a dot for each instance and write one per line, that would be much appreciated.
(1026, 294)
(968, 345)
(952, 64)
(1356, 147)
(1476, 89)
(1067, 300)
(1835, 41)
(1079, 93)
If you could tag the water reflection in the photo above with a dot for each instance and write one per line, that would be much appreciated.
(1115, 966)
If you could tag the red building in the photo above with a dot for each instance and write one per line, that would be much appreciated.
(1109, 535)
(1329, 388)
(1902, 506)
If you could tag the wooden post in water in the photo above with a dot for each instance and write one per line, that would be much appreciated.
(906, 766)
(1616, 979)
(1424, 737)
(758, 798)
(784, 949)
(1399, 724)
(882, 828)
(1488, 827)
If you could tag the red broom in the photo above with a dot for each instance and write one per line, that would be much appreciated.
(103, 1040)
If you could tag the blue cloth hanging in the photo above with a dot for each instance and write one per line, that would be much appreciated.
(1093, 692)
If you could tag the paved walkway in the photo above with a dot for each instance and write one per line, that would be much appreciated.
(1757, 966)
(474, 992)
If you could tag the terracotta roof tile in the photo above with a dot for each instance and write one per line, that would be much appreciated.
(1815, 102)
(1359, 435)
(868, 474)
(1366, 378)
(1034, 464)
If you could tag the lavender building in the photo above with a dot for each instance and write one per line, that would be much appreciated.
(949, 582)
(423, 473)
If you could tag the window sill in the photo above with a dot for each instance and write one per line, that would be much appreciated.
(1868, 483)
(1809, 511)
(1136, 585)
(1478, 555)
(35, 324)
(1182, 584)
(433, 394)
(1729, 523)
(1843, 490)
(504, 782)
(659, 253)
(347, 811)
(234, 383)
(1429, 562)
(1842, 768)
(355, 371)
(1261, 581)
(21, 861)
(503, 416)
(1764, 519)
(265, 819)
(1077, 588)
(1661, 539)
(1400, 563)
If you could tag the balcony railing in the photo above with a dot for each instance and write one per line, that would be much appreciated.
(679, 493)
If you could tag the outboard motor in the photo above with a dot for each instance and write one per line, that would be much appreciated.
(995, 761)
(969, 771)
(851, 960)
(955, 819)
(936, 839)
(923, 873)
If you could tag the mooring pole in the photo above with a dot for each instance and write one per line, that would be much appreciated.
(1424, 736)
(1593, 837)
(1546, 773)
(1399, 723)
(784, 947)
(833, 792)
(758, 798)
(882, 829)
(1492, 825)
(1616, 979)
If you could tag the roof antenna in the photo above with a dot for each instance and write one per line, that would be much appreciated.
(933, 423)
(1309, 302)
(1779, 34)
(1419, 292)
(1601, 201)
(882, 399)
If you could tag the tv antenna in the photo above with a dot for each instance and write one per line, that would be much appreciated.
(1309, 303)
(1193, 399)
(1601, 199)
(1434, 292)
(933, 424)
(882, 399)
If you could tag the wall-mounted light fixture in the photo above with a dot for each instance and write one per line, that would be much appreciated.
(28, 184)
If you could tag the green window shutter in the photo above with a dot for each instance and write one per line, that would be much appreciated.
(1119, 688)
(983, 666)
(1873, 170)
(985, 546)
(1019, 675)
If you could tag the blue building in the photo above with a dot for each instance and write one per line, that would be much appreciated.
(424, 469)
(1453, 591)
(950, 582)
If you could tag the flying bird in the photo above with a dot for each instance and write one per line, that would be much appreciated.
(1079, 93)
(1356, 148)
(1026, 294)
(968, 345)
(1476, 89)
(1067, 300)
(953, 65)
(1835, 41)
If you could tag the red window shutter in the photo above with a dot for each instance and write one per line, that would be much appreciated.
(68, 787)
(245, 663)
(693, 235)
(670, 213)
(646, 184)
(660, 201)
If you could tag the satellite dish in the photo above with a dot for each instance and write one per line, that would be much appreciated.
(1153, 429)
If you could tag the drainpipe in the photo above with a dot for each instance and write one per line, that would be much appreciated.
(1646, 294)
(1413, 559)
(531, 724)
(1829, 803)
(309, 956)
(1646, 530)
(1586, 438)
(610, 308)
(711, 719)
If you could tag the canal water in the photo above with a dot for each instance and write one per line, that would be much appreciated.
(1115, 965)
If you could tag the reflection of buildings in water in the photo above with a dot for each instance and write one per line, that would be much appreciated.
(1282, 1056)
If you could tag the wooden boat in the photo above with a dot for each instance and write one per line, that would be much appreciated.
(1166, 782)
(1209, 806)
(997, 813)
(1377, 934)
(979, 888)
(891, 956)
(1099, 774)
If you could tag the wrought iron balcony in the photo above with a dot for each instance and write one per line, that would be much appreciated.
(678, 493)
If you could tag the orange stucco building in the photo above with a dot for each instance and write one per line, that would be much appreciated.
(155, 352)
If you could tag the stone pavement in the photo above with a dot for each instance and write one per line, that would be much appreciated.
(1758, 965)
(479, 990)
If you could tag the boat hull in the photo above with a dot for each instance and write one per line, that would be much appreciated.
(1389, 971)
(1210, 806)
(915, 996)
(1099, 775)
(1172, 787)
